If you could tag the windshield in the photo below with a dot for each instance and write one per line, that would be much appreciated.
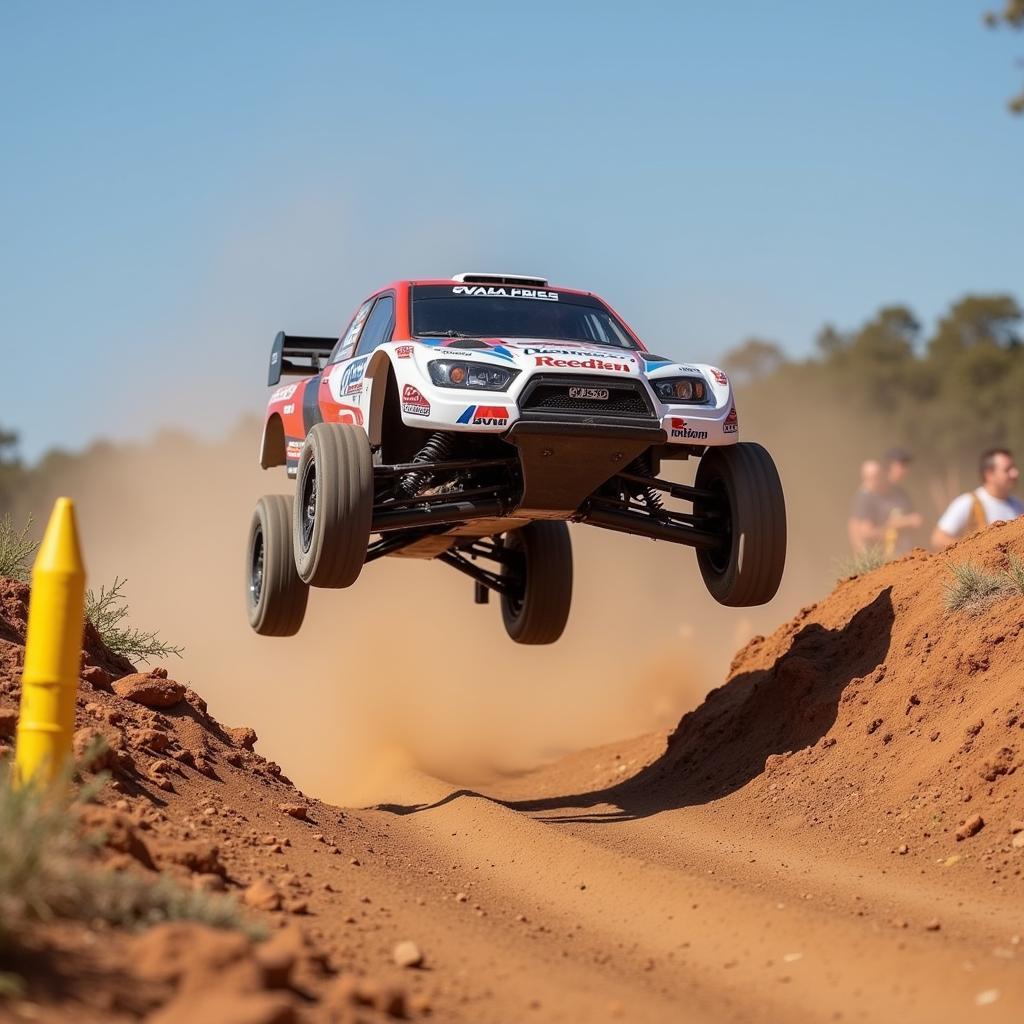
(478, 311)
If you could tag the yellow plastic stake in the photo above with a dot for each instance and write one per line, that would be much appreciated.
(53, 648)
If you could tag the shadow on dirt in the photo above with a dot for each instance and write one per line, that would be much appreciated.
(723, 744)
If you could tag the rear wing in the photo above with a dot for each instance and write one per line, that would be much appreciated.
(288, 348)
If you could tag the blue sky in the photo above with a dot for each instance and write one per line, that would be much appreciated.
(181, 181)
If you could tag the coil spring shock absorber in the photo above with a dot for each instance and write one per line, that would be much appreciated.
(641, 467)
(437, 448)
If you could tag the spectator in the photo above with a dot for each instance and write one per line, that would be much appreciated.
(868, 511)
(902, 520)
(986, 504)
(881, 513)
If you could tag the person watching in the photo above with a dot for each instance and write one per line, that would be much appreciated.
(987, 504)
(869, 510)
(902, 520)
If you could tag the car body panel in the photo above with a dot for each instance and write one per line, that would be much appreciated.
(351, 388)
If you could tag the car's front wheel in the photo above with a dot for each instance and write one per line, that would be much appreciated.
(276, 597)
(333, 505)
(538, 578)
(746, 567)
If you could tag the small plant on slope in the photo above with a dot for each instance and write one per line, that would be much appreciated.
(972, 588)
(49, 870)
(861, 563)
(1015, 574)
(16, 550)
(107, 611)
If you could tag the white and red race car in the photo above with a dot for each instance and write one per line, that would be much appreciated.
(468, 420)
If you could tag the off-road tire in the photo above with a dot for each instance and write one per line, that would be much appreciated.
(276, 597)
(538, 614)
(330, 535)
(746, 568)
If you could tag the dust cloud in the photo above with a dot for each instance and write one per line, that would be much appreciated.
(404, 668)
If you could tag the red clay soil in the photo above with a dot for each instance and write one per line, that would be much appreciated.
(834, 834)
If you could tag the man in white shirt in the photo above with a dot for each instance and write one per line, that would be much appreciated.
(992, 501)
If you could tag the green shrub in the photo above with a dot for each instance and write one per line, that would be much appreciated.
(16, 550)
(107, 611)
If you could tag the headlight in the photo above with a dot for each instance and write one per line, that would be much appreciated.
(447, 373)
(680, 389)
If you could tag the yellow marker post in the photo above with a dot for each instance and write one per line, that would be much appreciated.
(53, 648)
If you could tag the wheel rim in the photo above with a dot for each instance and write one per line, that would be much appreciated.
(719, 556)
(307, 494)
(256, 568)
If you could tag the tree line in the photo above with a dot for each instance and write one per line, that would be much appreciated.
(946, 395)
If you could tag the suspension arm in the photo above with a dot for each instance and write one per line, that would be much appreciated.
(682, 491)
(401, 468)
(643, 525)
(490, 580)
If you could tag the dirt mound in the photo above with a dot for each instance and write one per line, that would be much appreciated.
(879, 705)
(835, 833)
(189, 799)
(876, 716)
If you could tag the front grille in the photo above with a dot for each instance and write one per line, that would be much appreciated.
(626, 398)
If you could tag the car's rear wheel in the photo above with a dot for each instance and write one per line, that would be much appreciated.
(333, 505)
(276, 597)
(538, 574)
(746, 568)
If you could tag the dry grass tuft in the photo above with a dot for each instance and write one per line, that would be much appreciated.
(973, 589)
(857, 565)
(49, 870)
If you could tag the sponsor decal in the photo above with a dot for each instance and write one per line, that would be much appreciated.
(484, 416)
(562, 350)
(452, 347)
(492, 291)
(591, 394)
(282, 394)
(719, 376)
(353, 374)
(294, 448)
(413, 402)
(593, 363)
(679, 429)
(403, 351)
(289, 409)
(730, 424)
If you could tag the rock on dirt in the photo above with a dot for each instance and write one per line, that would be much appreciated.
(262, 895)
(198, 856)
(300, 811)
(243, 736)
(407, 954)
(8, 723)
(96, 747)
(149, 689)
(118, 832)
(971, 827)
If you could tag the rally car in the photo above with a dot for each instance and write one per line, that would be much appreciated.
(468, 420)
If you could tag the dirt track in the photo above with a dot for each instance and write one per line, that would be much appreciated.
(788, 853)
